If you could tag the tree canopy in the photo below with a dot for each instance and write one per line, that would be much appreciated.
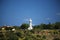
(24, 26)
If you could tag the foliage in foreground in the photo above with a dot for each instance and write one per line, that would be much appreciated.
(40, 32)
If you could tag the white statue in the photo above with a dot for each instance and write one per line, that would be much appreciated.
(30, 24)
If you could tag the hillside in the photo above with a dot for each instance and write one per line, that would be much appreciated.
(40, 32)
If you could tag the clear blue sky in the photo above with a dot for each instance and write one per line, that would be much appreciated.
(15, 12)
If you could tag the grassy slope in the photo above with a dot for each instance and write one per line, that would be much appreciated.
(30, 35)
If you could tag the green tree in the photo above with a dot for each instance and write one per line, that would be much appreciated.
(24, 26)
(36, 26)
(57, 25)
(43, 26)
(49, 26)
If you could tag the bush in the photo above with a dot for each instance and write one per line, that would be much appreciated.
(56, 39)
(44, 37)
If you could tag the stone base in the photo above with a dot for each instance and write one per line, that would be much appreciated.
(30, 28)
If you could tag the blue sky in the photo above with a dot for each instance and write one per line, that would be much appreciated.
(15, 12)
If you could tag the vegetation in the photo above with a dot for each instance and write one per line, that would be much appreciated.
(40, 32)
(24, 26)
(48, 26)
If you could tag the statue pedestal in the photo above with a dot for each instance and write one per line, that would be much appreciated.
(30, 28)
